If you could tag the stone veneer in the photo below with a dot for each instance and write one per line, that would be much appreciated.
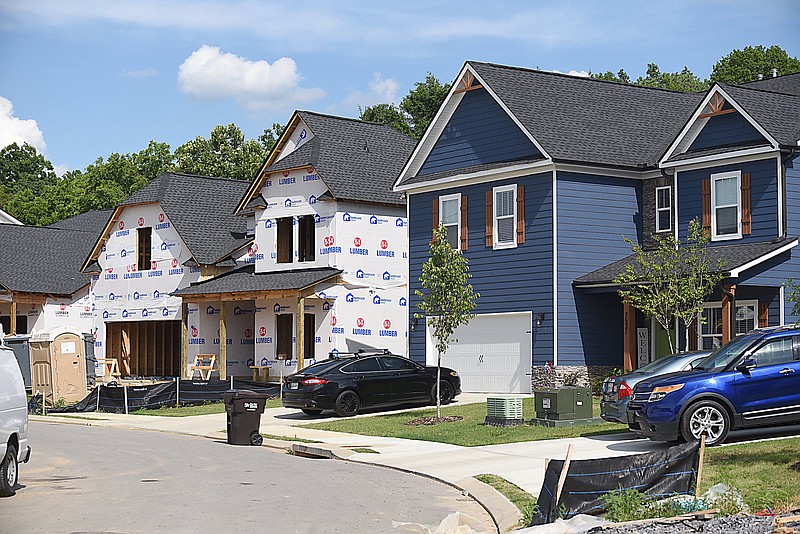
(543, 376)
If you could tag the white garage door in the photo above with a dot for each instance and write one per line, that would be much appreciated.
(492, 353)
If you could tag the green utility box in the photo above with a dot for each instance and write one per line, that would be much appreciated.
(566, 403)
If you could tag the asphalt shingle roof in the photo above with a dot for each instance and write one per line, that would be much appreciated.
(245, 279)
(717, 150)
(201, 208)
(91, 221)
(777, 113)
(40, 259)
(788, 83)
(733, 256)
(357, 160)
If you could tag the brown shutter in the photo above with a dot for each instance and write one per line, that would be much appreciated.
(489, 215)
(464, 230)
(706, 188)
(693, 335)
(763, 314)
(747, 227)
(520, 214)
(435, 223)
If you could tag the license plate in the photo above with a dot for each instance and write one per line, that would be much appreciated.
(293, 385)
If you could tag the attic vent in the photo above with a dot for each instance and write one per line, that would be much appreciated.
(504, 410)
(715, 107)
(466, 83)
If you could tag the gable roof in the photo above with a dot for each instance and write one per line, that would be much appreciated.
(777, 113)
(245, 279)
(357, 160)
(91, 221)
(200, 208)
(788, 84)
(41, 259)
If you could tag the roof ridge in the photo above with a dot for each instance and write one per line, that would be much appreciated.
(190, 175)
(587, 78)
(772, 78)
(339, 117)
(49, 227)
(725, 84)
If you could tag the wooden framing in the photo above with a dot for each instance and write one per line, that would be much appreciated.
(715, 104)
(300, 335)
(223, 342)
(466, 84)
(154, 347)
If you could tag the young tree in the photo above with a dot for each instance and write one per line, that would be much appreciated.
(741, 66)
(672, 281)
(448, 300)
(794, 297)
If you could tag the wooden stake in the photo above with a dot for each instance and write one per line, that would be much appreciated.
(700, 465)
(563, 476)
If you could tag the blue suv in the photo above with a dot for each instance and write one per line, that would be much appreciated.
(754, 380)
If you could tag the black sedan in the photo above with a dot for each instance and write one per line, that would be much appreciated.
(346, 383)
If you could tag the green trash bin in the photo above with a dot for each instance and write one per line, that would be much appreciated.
(244, 409)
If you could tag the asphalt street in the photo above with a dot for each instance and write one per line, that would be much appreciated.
(84, 478)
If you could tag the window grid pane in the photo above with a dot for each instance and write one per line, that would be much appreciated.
(725, 192)
(505, 230)
(745, 319)
(662, 198)
(727, 220)
(450, 212)
(504, 201)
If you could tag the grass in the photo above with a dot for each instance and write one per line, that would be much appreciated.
(468, 432)
(364, 450)
(760, 471)
(288, 438)
(524, 501)
(195, 409)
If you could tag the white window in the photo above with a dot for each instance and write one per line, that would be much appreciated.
(450, 218)
(726, 206)
(663, 209)
(710, 333)
(505, 216)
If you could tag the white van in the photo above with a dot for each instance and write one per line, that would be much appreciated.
(13, 420)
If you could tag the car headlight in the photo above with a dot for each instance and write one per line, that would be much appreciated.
(661, 392)
(453, 373)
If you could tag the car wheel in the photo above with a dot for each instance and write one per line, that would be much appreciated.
(347, 404)
(8, 472)
(707, 418)
(309, 411)
(446, 392)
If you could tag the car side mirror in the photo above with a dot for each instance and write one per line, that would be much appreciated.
(747, 365)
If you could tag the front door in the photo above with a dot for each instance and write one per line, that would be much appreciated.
(283, 335)
(309, 335)
(662, 347)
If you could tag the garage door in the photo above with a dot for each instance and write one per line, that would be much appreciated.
(492, 353)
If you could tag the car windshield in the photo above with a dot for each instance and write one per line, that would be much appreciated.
(726, 354)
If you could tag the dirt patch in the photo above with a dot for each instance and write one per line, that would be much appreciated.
(795, 467)
(427, 421)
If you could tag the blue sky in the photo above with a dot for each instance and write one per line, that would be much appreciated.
(83, 79)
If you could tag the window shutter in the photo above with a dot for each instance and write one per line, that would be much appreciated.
(520, 214)
(706, 188)
(763, 314)
(464, 231)
(693, 335)
(435, 223)
(747, 227)
(489, 215)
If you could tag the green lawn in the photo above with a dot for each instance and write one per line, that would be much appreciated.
(468, 432)
(196, 409)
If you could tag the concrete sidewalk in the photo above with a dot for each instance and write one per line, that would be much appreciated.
(521, 463)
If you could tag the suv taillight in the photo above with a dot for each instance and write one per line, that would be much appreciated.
(624, 391)
(313, 381)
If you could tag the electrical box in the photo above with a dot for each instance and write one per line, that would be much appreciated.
(564, 403)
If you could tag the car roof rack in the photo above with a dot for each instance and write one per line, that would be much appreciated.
(360, 353)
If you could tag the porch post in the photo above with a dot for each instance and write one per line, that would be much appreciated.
(301, 329)
(728, 305)
(223, 341)
(184, 339)
(629, 332)
(13, 317)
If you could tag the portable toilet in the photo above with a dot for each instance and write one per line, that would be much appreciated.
(58, 364)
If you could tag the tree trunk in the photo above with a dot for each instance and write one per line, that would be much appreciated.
(438, 385)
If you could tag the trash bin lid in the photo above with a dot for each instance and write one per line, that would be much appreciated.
(233, 394)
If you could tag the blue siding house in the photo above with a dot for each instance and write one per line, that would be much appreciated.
(537, 177)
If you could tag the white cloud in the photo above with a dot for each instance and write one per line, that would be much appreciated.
(210, 74)
(14, 130)
(579, 73)
(380, 91)
(144, 73)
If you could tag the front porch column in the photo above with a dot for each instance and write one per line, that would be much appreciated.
(184, 340)
(13, 317)
(728, 326)
(629, 345)
(301, 329)
(223, 342)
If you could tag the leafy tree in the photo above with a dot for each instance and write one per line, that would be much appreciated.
(23, 168)
(794, 297)
(271, 136)
(386, 114)
(672, 281)
(745, 65)
(226, 153)
(684, 80)
(449, 299)
(619, 77)
(422, 103)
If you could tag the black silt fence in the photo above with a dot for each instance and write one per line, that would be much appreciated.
(658, 475)
(123, 399)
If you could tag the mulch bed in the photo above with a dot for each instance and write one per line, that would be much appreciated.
(420, 421)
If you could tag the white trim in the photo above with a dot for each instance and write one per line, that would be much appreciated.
(780, 197)
(496, 245)
(554, 198)
(608, 171)
(735, 273)
(782, 297)
(699, 111)
(457, 198)
(668, 209)
(725, 176)
(480, 177)
(443, 116)
(728, 158)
